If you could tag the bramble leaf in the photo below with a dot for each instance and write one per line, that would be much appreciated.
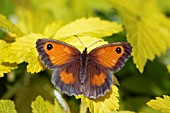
(63, 11)
(51, 29)
(86, 40)
(33, 21)
(4, 66)
(38, 106)
(161, 104)
(148, 30)
(23, 50)
(6, 24)
(93, 27)
(122, 112)
(104, 104)
(7, 106)
(49, 106)
(57, 107)
(168, 68)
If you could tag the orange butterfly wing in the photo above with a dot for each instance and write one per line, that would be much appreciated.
(112, 56)
(64, 60)
(54, 53)
(98, 81)
(104, 60)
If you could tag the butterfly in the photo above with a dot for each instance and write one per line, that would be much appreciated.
(85, 73)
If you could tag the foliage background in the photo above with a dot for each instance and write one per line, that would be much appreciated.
(139, 82)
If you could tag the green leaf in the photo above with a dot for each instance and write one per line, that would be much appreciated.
(38, 106)
(57, 107)
(49, 106)
(104, 104)
(4, 66)
(23, 50)
(86, 40)
(148, 30)
(89, 27)
(168, 68)
(6, 24)
(33, 21)
(7, 106)
(122, 112)
(51, 28)
(75, 9)
(161, 104)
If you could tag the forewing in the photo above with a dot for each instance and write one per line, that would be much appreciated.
(54, 53)
(66, 78)
(112, 56)
(98, 81)
(64, 60)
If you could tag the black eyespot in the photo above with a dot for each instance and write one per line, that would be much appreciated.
(49, 46)
(118, 50)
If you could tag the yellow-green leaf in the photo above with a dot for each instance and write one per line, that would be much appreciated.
(4, 66)
(94, 27)
(86, 40)
(35, 65)
(122, 112)
(49, 106)
(161, 104)
(51, 29)
(104, 104)
(6, 24)
(33, 21)
(38, 106)
(57, 107)
(168, 68)
(148, 30)
(7, 106)
(63, 11)
(23, 50)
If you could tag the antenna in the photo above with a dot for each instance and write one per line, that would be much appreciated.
(83, 44)
(80, 40)
(94, 43)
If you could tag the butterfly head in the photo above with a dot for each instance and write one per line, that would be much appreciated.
(85, 50)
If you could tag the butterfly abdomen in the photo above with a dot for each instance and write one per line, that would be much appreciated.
(83, 59)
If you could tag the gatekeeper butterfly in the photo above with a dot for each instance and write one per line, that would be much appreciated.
(83, 73)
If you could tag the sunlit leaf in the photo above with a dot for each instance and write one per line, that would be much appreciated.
(161, 104)
(104, 104)
(148, 30)
(3, 47)
(4, 66)
(122, 112)
(49, 106)
(23, 50)
(33, 21)
(7, 106)
(75, 9)
(87, 41)
(38, 106)
(89, 27)
(168, 68)
(51, 29)
(57, 107)
(9, 26)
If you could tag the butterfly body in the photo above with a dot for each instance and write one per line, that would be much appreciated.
(82, 73)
